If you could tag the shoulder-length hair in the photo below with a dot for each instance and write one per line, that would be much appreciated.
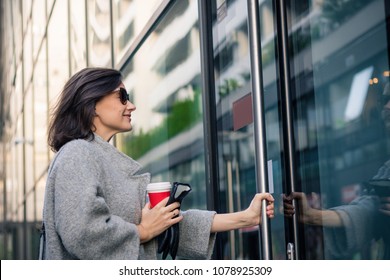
(72, 116)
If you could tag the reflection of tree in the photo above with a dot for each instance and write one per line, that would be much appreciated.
(183, 115)
(337, 11)
(231, 85)
(228, 85)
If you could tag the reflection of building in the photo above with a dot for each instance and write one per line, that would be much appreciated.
(167, 138)
(183, 126)
(100, 34)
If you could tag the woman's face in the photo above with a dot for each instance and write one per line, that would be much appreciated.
(112, 116)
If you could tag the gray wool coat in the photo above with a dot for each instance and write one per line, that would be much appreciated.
(93, 202)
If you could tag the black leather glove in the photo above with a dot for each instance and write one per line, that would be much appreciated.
(168, 241)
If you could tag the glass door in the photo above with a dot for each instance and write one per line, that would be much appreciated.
(236, 126)
(338, 65)
(325, 91)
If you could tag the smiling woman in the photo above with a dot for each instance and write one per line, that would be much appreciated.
(95, 201)
(113, 114)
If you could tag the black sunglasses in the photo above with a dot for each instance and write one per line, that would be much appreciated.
(123, 95)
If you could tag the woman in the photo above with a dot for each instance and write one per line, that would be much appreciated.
(95, 202)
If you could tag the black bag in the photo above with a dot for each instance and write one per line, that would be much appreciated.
(168, 241)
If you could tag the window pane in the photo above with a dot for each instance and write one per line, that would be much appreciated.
(58, 50)
(99, 34)
(27, 56)
(236, 147)
(78, 54)
(164, 82)
(40, 115)
(340, 75)
(39, 21)
(130, 16)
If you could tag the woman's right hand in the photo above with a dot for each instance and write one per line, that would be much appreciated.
(157, 219)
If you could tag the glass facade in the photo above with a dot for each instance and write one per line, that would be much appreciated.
(54, 39)
(236, 150)
(167, 138)
(340, 64)
(332, 64)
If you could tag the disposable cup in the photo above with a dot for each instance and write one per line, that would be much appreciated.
(158, 191)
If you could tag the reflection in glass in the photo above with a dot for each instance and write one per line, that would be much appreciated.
(28, 140)
(78, 55)
(99, 34)
(340, 70)
(27, 55)
(15, 9)
(38, 24)
(124, 23)
(129, 17)
(57, 50)
(163, 80)
(236, 151)
(18, 171)
(41, 149)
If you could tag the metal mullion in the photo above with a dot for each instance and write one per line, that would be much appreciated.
(209, 110)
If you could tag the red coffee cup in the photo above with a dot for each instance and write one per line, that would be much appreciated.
(158, 191)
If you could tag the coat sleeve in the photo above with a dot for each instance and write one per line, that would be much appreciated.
(83, 221)
(358, 224)
(196, 241)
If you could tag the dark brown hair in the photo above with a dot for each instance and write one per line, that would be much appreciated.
(72, 117)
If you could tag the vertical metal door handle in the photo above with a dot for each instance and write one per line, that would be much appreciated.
(259, 122)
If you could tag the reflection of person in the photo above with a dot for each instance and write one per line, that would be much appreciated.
(95, 201)
(348, 228)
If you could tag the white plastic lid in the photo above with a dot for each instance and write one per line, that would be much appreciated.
(160, 186)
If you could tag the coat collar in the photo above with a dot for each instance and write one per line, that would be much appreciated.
(126, 163)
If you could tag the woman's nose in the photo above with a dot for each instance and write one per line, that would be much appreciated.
(131, 106)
